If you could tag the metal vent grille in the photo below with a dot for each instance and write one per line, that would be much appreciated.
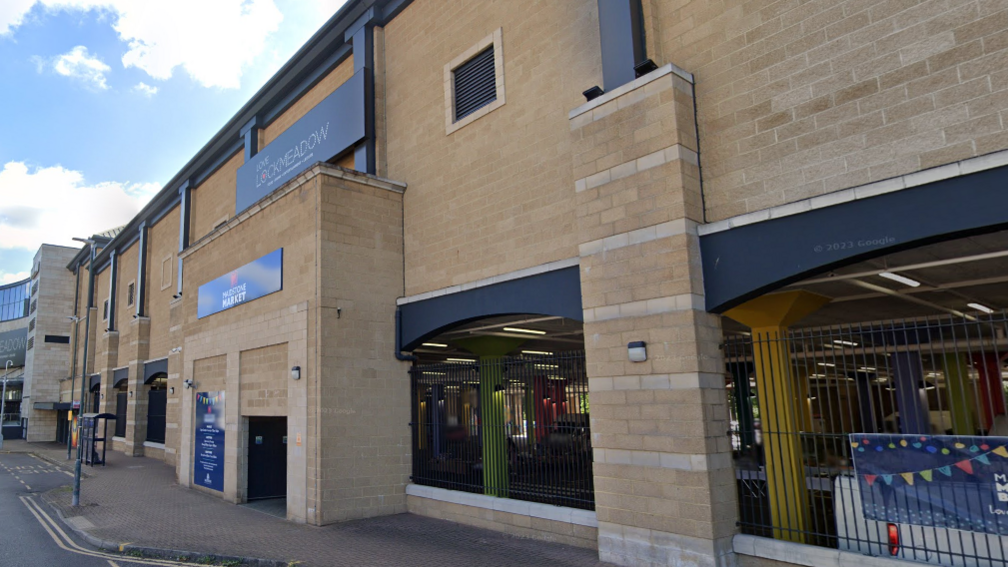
(31, 343)
(475, 84)
(31, 325)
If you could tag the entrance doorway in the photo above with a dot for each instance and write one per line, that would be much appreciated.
(267, 458)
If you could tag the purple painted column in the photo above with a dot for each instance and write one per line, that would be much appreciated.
(908, 376)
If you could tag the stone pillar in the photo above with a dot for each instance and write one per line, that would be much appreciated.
(782, 391)
(136, 406)
(664, 480)
(108, 358)
(173, 413)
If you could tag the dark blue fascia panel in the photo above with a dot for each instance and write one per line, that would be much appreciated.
(553, 293)
(95, 381)
(748, 261)
(152, 369)
(334, 125)
(119, 376)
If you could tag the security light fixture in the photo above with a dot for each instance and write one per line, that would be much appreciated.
(644, 67)
(637, 351)
(526, 331)
(170, 390)
(187, 384)
(901, 279)
(593, 93)
(296, 373)
(980, 307)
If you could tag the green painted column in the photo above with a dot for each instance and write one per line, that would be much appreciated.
(960, 394)
(492, 410)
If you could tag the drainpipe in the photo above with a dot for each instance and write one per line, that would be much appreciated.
(398, 339)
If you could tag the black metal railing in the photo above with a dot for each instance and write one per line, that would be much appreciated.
(512, 427)
(865, 437)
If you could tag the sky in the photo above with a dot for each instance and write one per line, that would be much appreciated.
(105, 100)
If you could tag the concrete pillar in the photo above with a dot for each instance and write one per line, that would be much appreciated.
(992, 395)
(782, 394)
(960, 394)
(492, 413)
(908, 376)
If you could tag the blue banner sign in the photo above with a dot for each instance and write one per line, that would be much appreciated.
(328, 129)
(208, 466)
(942, 481)
(13, 346)
(251, 281)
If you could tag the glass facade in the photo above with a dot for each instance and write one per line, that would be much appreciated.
(14, 300)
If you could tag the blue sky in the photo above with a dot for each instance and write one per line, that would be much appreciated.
(105, 100)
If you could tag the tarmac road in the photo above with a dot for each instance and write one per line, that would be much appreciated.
(30, 533)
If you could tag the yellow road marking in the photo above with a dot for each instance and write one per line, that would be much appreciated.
(66, 543)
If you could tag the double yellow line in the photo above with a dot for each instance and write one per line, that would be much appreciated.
(66, 543)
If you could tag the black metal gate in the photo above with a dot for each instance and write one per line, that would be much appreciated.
(513, 427)
(797, 398)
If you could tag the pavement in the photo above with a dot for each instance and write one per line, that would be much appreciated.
(135, 502)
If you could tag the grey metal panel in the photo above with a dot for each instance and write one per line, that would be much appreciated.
(152, 369)
(553, 293)
(13, 346)
(95, 381)
(750, 260)
(328, 129)
(475, 83)
(119, 376)
(622, 46)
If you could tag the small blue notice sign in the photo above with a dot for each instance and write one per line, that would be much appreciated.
(256, 279)
(208, 466)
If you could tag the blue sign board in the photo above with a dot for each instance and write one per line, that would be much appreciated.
(251, 281)
(942, 481)
(332, 126)
(208, 466)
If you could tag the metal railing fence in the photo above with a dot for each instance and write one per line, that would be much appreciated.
(807, 403)
(512, 427)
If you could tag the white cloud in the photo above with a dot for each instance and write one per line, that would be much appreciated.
(52, 205)
(79, 64)
(145, 89)
(212, 41)
(7, 277)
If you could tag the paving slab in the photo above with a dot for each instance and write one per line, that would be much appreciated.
(136, 500)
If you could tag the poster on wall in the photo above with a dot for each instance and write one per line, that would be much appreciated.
(208, 466)
(943, 481)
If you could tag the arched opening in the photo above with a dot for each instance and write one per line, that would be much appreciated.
(500, 407)
(157, 405)
(853, 391)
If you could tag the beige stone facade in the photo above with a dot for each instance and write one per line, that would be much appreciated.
(755, 108)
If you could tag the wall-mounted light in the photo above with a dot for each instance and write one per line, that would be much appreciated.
(296, 373)
(131, 393)
(637, 351)
(187, 384)
(171, 390)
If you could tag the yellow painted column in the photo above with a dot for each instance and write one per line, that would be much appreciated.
(783, 412)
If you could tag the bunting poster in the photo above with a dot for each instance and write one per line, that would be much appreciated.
(942, 481)
(208, 466)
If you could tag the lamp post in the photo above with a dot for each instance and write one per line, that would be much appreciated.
(3, 398)
(73, 377)
(87, 333)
